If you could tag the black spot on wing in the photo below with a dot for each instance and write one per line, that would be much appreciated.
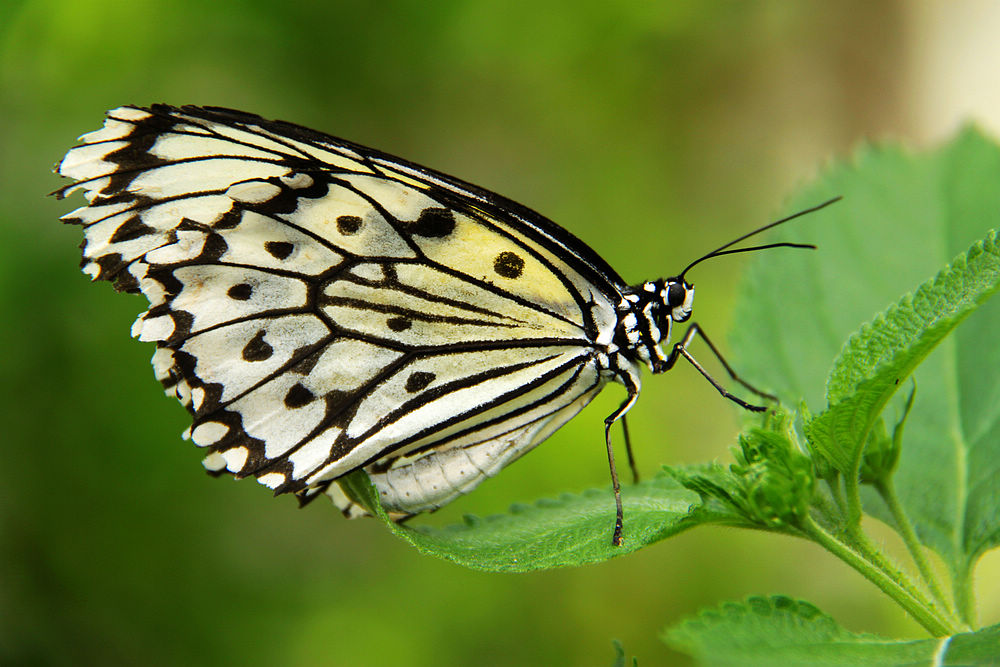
(241, 292)
(279, 249)
(433, 223)
(418, 380)
(399, 323)
(508, 265)
(349, 224)
(257, 349)
(298, 396)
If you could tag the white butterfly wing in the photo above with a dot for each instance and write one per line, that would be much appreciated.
(320, 307)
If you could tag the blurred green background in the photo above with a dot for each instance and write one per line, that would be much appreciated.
(653, 130)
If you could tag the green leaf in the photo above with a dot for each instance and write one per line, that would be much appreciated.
(620, 655)
(881, 455)
(770, 486)
(360, 489)
(917, 322)
(782, 631)
(574, 529)
(903, 216)
(884, 352)
(796, 308)
(719, 489)
(776, 479)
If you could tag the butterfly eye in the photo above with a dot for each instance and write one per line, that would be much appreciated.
(676, 295)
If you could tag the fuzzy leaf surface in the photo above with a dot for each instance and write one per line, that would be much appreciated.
(883, 353)
(574, 529)
(783, 631)
(903, 217)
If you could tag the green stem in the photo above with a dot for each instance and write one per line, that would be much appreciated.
(920, 609)
(836, 494)
(965, 597)
(853, 492)
(863, 548)
(830, 511)
(887, 490)
(877, 557)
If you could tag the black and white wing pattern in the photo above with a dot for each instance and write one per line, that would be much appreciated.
(320, 307)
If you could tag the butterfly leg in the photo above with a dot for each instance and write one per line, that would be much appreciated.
(632, 386)
(628, 450)
(680, 350)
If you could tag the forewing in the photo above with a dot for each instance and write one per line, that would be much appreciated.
(318, 306)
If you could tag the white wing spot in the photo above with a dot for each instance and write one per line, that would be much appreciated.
(272, 480)
(163, 361)
(197, 397)
(235, 458)
(253, 192)
(129, 113)
(297, 181)
(113, 129)
(214, 462)
(156, 328)
(208, 433)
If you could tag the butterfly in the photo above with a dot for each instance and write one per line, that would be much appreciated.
(320, 307)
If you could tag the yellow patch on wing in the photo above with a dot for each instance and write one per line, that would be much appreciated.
(484, 254)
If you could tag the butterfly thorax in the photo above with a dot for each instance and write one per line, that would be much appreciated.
(646, 315)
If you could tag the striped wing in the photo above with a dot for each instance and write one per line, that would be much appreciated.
(320, 307)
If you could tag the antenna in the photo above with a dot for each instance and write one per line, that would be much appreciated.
(721, 250)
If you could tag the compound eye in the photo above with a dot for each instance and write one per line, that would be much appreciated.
(676, 295)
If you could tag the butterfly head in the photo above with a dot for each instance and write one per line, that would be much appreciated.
(647, 314)
(661, 302)
(677, 296)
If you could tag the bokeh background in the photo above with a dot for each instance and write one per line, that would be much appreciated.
(653, 130)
